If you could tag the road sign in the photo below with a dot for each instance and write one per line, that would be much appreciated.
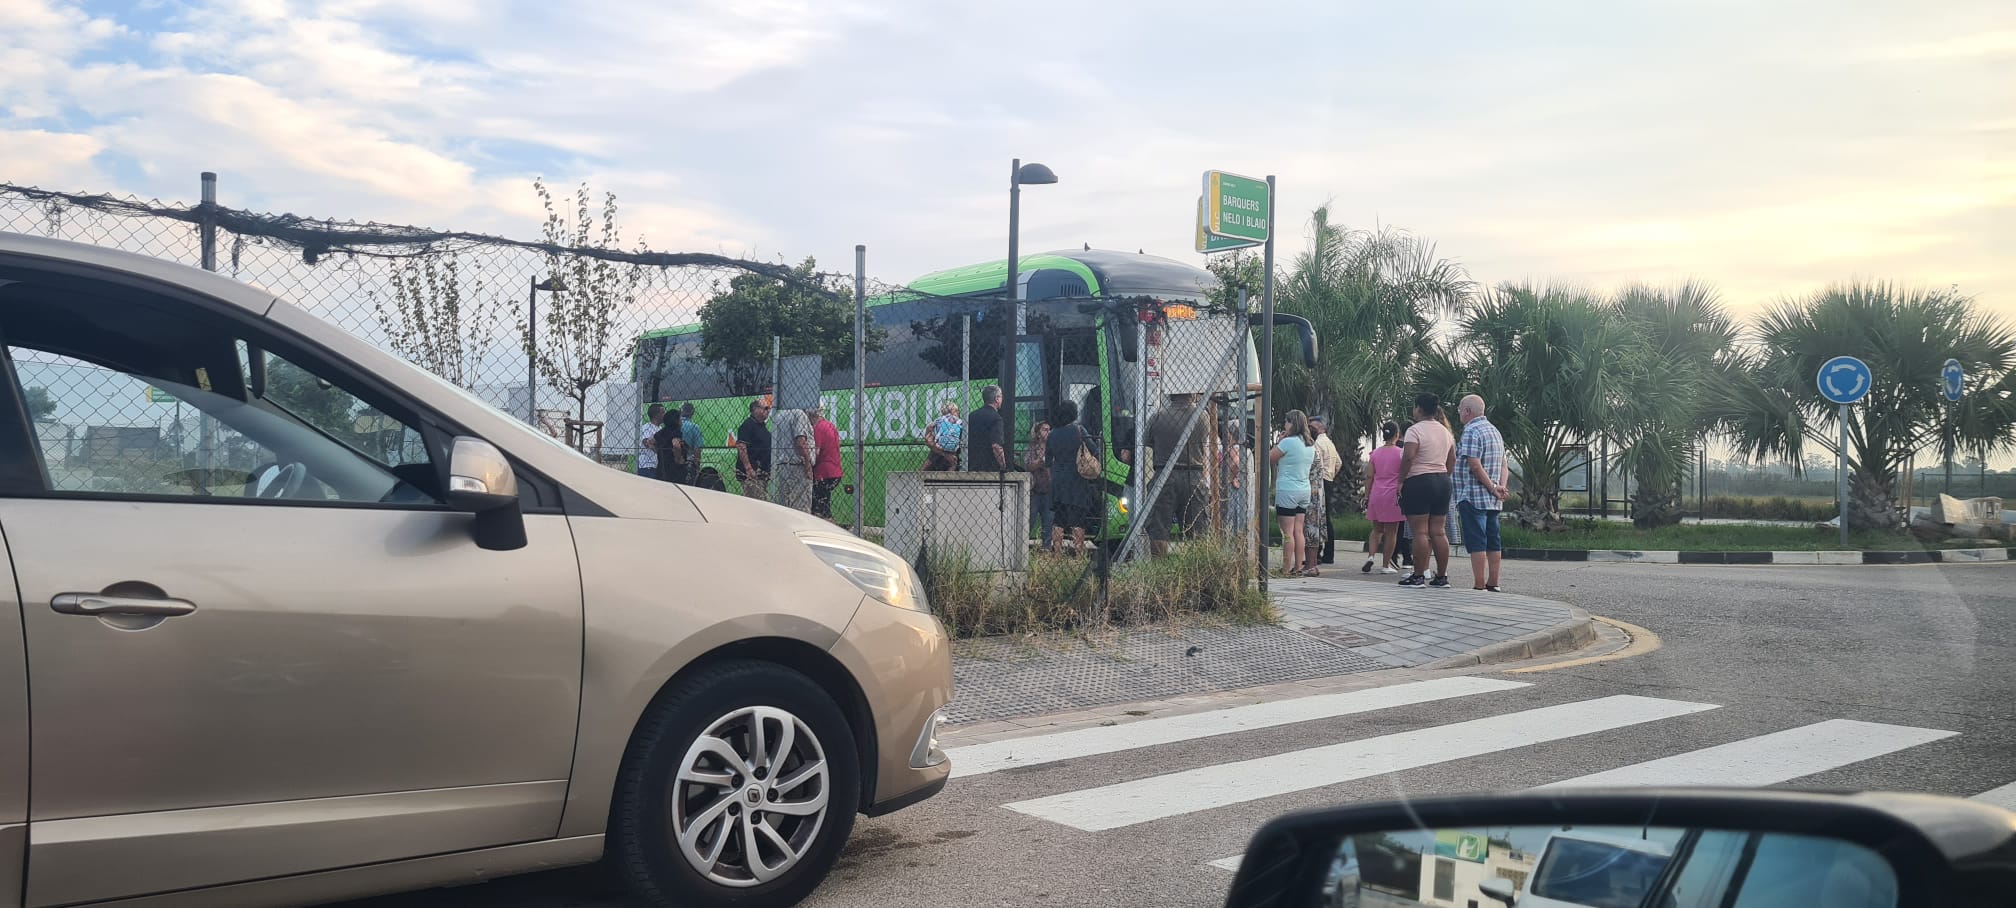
(1844, 379)
(1464, 846)
(1236, 207)
(1208, 243)
(158, 396)
(1952, 379)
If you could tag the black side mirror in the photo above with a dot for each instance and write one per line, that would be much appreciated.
(1640, 847)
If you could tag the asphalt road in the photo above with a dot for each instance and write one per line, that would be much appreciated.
(1777, 659)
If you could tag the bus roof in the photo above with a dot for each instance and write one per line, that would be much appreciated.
(1102, 270)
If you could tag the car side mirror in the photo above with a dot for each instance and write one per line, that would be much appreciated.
(1696, 846)
(482, 482)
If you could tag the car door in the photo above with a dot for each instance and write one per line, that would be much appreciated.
(258, 642)
(13, 737)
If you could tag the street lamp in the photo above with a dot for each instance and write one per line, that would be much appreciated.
(1019, 174)
(550, 285)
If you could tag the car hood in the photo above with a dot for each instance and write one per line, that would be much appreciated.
(724, 508)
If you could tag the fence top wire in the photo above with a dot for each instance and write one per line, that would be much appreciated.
(316, 238)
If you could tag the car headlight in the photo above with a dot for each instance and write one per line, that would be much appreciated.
(876, 570)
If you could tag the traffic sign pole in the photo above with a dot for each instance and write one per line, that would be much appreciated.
(1843, 380)
(1841, 470)
(1264, 426)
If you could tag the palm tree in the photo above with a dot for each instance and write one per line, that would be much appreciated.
(1373, 296)
(1905, 336)
(1552, 364)
(1686, 344)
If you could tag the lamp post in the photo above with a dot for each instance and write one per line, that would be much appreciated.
(550, 285)
(1019, 174)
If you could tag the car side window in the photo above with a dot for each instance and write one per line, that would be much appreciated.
(131, 398)
(1703, 881)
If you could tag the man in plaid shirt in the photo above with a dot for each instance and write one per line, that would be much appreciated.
(1479, 490)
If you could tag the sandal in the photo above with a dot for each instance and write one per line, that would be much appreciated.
(1311, 572)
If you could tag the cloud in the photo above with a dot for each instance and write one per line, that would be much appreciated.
(1589, 141)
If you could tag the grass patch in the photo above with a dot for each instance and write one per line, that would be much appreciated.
(1196, 579)
(1687, 537)
(1602, 534)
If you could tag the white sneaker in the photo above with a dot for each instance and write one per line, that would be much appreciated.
(1389, 569)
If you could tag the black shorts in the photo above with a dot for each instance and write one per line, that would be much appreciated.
(1426, 495)
(1071, 516)
(1280, 511)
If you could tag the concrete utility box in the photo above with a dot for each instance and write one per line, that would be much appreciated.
(1948, 509)
(986, 514)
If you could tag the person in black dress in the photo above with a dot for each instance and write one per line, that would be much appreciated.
(1074, 499)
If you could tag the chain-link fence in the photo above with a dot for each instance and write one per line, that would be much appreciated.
(940, 416)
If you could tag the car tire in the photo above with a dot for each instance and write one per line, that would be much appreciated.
(712, 770)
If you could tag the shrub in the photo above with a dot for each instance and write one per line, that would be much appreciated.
(1197, 578)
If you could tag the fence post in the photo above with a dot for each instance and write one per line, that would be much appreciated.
(1242, 413)
(206, 232)
(860, 378)
(965, 384)
(206, 229)
(1136, 516)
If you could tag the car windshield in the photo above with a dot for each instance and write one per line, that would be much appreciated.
(1596, 874)
(1340, 402)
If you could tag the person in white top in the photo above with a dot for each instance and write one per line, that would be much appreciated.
(647, 453)
(1328, 463)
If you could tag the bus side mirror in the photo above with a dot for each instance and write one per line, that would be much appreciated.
(1305, 333)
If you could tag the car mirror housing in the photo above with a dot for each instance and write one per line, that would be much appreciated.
(1647, 846)
(482, 482)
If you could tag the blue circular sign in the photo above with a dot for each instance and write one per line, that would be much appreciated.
(1952, 379)
(1844, 379)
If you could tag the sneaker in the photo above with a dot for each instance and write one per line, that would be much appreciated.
(1441, 580)
(1367, 569)
(1389, 569)
(1414, 580)
(1494, 589)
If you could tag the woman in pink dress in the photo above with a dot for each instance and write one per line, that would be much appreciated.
(1382, 503)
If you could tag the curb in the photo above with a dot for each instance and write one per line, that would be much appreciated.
(1568, 636)
(1853, 557)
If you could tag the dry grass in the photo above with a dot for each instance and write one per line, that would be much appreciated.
(1196, 579)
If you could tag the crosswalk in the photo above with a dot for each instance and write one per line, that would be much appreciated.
(1770, 758)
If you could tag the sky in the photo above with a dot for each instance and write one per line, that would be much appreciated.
(1768, 148)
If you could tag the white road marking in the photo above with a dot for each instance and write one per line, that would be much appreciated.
(1128, 803)
(1767, 759)
(976, 759)
(1231, 863)
(2004, 797)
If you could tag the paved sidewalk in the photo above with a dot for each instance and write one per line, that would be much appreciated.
(1403, 627)
(1334, 625)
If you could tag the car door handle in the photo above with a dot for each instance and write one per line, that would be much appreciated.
(100, 605)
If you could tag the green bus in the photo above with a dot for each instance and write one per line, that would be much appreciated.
(1078, 346)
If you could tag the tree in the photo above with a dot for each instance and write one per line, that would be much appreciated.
(574, 351)
(41, 406)
(1552, 364)
(806, 312)
(1240, 269)
(1373, 296)
(1905, 336)
(438, 325)
(1686, 339)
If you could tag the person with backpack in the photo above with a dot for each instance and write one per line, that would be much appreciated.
(1074, 495)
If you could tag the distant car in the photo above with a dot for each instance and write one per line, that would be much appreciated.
(1584, 869)
(298, 621)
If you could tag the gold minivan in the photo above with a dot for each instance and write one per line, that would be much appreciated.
(294, 621)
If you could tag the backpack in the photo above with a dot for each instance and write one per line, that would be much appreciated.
(1089, 466)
